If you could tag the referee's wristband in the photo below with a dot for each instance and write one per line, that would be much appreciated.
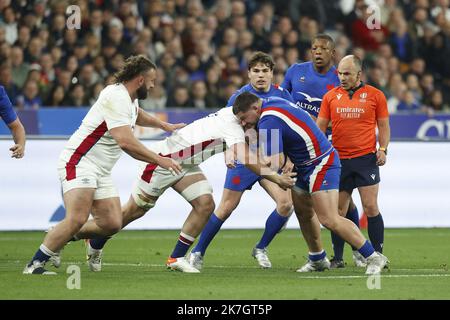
(383, 149)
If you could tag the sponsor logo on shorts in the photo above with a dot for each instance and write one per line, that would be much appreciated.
(85, 180)
(373, 176)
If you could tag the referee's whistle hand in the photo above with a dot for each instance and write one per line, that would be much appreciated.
(381, 158)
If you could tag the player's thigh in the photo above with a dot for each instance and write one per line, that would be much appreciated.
(106, 207)
(228, 203)
(107, 213)
(150, 184)
(78, 204)
(281, 197)
(303, 206)
(325, 204)
(195, 188)
(240, 178)
(369, 199)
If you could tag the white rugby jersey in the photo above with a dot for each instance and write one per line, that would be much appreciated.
(92, 146)
(202, 138)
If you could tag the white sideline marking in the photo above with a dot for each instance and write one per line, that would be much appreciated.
(382, 275)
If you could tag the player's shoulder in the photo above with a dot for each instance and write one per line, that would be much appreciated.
(223, 115)
(244, 88)
(300, 66)
(278, 87)
(116, 90)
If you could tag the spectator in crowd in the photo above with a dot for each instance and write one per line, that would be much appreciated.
(436, 102)
(76, 97)
(180, 98)
(206, 40)
(19, 68)
(198, 95)
(30, 98)
(95, 92)
(55, 97)
(156, 99)
(409, 103)
(6, 80)
(9, 24)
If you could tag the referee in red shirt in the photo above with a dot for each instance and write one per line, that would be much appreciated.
(355, 110)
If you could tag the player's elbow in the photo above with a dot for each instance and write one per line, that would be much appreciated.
(124, 144)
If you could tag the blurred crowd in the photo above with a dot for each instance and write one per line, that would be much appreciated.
(201, 47)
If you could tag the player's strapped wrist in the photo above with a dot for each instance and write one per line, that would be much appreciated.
(384, 149)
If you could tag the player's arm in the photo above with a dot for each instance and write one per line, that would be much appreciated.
(18, 134)
(128, 143)
(323, 118)
(230, 159)
(322, 123)
(146, 120)
(384, 136)
(288, 165)
(261, 167)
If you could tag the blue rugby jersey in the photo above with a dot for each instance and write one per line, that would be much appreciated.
(286, 128)
(6, 110)
(274, 91)
(307, 86)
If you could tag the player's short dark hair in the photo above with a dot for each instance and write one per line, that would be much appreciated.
(134, 66)
(261, 57)
(243, 102)
(323, 36)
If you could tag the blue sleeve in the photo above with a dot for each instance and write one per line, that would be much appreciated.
(270, 135)
(287, 85)
(6, 110)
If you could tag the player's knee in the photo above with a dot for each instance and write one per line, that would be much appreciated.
(342, 212)
(113, 226)
(329, 222)
(371, 210)
(205, 206)
(285, 208)
(228, 206)
(142, 201)
(305, 214)
(76, 222)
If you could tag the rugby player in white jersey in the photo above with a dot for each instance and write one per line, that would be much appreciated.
(87, 160)
(190, 146)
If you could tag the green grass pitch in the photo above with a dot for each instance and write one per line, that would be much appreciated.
(134, 269)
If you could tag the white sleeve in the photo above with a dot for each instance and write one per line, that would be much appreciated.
(232, 133)
(116, 109)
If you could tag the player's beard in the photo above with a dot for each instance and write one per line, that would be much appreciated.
(142, 92)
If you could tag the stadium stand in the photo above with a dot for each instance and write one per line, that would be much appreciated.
(201, 47)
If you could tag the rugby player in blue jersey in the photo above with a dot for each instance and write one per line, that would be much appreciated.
(308, 82)
(239, 178)
(15, 126)
(285, 130)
